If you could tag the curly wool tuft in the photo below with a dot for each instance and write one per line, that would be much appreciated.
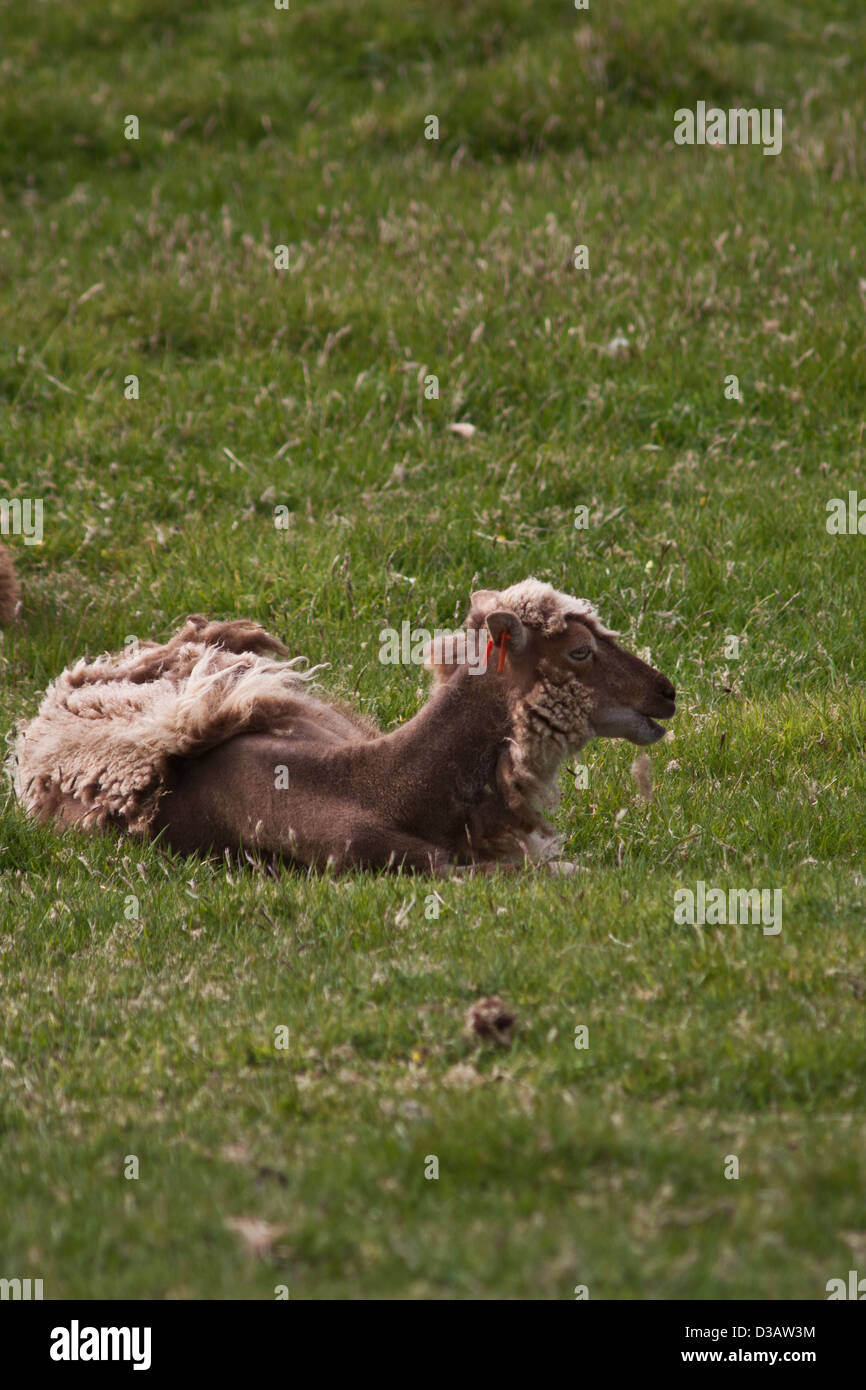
(538, 605)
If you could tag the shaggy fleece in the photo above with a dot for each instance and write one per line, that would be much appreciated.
(99, 749)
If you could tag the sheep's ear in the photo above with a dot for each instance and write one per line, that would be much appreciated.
(502, 620)
(482, 602)
(483, 598)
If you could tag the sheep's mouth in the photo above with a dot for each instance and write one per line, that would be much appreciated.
(631, 724)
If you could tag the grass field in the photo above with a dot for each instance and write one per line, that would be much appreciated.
(154, 1035)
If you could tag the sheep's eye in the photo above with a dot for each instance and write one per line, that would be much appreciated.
(581, 653)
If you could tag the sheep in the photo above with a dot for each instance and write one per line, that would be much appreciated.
(216, 742)
(10, 591)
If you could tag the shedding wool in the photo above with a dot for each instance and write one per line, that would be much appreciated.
(98, 751)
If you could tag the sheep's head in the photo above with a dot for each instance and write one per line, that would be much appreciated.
(569, 678)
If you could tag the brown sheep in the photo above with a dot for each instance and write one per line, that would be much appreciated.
(215, 745)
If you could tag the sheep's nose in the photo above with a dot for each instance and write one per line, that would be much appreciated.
(666, 690)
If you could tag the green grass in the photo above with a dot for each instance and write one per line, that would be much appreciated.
(154, 1035)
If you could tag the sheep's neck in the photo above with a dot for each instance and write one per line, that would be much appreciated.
(452, 744)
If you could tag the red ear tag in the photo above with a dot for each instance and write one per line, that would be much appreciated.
(487, 653)
(506, 637)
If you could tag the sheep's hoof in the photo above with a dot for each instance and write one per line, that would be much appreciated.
(564, 868)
